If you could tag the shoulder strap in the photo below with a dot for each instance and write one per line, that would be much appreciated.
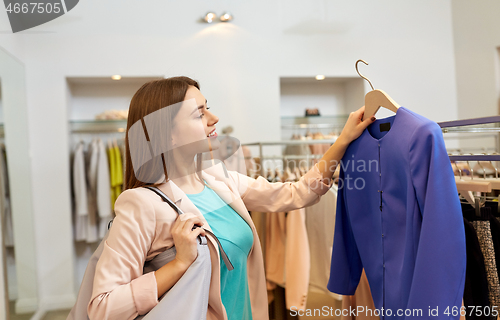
(166, 199)
(223, 253)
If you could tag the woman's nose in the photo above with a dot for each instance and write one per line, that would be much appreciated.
(213, 119)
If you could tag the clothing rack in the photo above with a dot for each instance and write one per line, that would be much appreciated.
(462, 126)
(261, 145)
(312, 126)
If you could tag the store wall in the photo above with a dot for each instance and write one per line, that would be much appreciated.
(476, 27)
(476, 30)
(407, 43)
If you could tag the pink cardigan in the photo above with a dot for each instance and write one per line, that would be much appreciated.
(141, 230)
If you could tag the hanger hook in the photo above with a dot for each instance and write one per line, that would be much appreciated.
(362, 76)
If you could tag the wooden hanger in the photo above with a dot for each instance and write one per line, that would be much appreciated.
(468, 185)
(376, 98)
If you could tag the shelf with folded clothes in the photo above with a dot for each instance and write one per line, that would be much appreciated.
(289, 153)
(98, 126)
(312, 128)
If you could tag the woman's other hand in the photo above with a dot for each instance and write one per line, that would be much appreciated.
(355, 125)
(186, 239)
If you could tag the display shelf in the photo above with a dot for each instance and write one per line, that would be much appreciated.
(98, 126)
(474, 125)
(303, 119)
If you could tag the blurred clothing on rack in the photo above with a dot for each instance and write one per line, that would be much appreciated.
(6, 214)
(103, 189)
(476, 291)
(92, 188)
(80, 192)
(487, 235)
(361, 300)
(320, 225)
(288, 256)
(116, 172)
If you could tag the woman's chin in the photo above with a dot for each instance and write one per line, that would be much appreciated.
(214, 143)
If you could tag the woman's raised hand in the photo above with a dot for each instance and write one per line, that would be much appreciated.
(185, 238)
(355, 125)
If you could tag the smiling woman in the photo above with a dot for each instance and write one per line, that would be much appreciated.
(169, 129)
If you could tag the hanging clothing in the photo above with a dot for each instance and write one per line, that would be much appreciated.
(119, 171)
(300, 149)
(297, 260)
(91, 172)
(476, 291)
(483, 230)
(80, 193)
(275, 249)
(114, 175)
(103, 189)
(236, 239)
(399, 217)
(362, 298)
(320, 224)
(8, 229)
(288, 256)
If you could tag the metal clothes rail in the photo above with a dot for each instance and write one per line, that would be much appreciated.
(463, 126)
(286, 143)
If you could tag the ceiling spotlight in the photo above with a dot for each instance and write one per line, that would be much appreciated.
(320, 77)
(210, 17)
(226, 17)
(116, 77)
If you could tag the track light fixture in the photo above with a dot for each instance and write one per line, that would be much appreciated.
(211, 17)
(226, 17)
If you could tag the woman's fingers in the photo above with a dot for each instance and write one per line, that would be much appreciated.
(365, 123)
(185, 223)
(355, 125)
(198, 231)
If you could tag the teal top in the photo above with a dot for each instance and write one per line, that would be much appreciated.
(236, 238)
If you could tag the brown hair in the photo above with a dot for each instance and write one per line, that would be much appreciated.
(151, 97)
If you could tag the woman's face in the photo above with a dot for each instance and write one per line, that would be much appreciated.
(194, 124)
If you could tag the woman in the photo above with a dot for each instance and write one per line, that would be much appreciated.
(169, 125)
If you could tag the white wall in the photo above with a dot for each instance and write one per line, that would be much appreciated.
(476, 28)
(476, 38)
(407, 43)
(328, 96)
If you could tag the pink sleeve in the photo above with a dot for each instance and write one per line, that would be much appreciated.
(120, 289)
(262, 195)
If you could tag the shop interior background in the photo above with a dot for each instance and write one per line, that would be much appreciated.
(438, 58)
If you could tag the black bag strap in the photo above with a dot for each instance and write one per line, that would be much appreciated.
(164, 197)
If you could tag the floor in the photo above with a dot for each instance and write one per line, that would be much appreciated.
(315, 301)
(51, 315)
(56, 315)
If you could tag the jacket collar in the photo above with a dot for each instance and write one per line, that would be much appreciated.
(215, 176)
